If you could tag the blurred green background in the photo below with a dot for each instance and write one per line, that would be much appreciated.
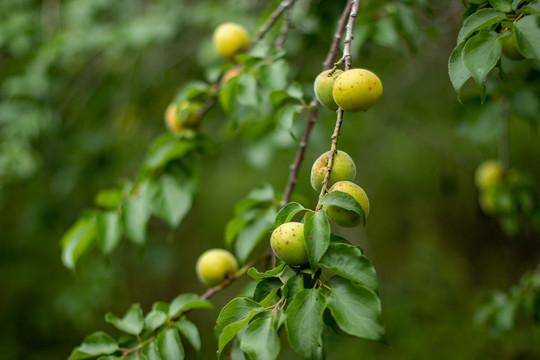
(83, 88)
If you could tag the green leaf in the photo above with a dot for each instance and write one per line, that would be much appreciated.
(169, 345)
(170, 197)
(151, 351)
(136, 215)
(527, 32)
(481, 54)
(233, 317)
(251, 235)
(190, 332)
(109, 198)
(482, 19)
(132, 322)
(517, 3)
(166, 149)
(286, 213)
(78, 239)
(188, 302)
(277, 97)
(345, 201)
(98, 343)
(157, 316)
(356, 309)
(304, 322)
(109, 230)
(458, 72)
(258, 276)
(348, 262)
(287, 115)
(501, 5)
(274, 76)
(266, 287)
(316, 235)
(260, 340)
(247, 93)
(227, 94)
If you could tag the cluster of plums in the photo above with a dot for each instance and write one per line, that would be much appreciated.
(352, 90)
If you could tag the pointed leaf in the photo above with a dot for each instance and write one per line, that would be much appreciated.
(356, 309)
(260, 340)
(157, 316)
(188, 302)
(171, 197)
(304, 322)
(136, 214)
(169, 345)
(78, 239)
(482, 19)
(252, 234)
(233, 317)
(132, 322)
(501, 5)
(459, 74)
(347, 261)
(527, 32)
(109, 230)
(166, 149)
(265, 288)
(316, 235)
(151, 351)
(481, 54)
(345, 201)
(286, 212)
(190, 332)
(98, 343)
(258, 276)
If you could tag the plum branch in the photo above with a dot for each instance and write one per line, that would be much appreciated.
(327, 64)
(347, 58)
(285, 5)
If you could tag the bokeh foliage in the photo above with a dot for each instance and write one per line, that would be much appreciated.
(83, 91)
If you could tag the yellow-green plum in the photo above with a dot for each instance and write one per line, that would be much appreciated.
(488, 174)
(343, 217)
(509, 47)
(488, 200)
(189, 119)
(357, 90)
(230, 39)
(343, 168)
(323, 86)
(215, 265)
(287, 243)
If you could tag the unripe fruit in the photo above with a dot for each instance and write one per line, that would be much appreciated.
(190, 119)
(230, 39)
(357, 89)
(214, 265)
(323, 86)
(287, 242)
(348, 218)
(343, 168)
(488, 174)
(488, 201)
(509, 48)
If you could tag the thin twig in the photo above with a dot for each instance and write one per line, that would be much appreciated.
(313, 115)
(347, 58)
(349, 37)
(284, 27)
(272, 19)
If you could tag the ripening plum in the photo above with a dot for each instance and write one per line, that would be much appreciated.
(287, 242)
(323, 86)
(357, 89)
(488, 174)
(509, 48)
(190, 116)
(343, 168)
(230, 39)
(214, 265)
